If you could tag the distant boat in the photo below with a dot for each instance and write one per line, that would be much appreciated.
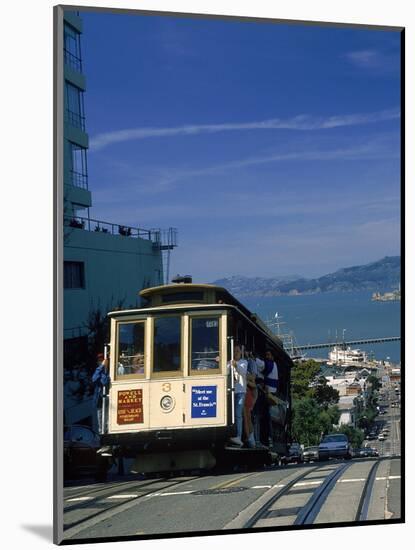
(393, 296)
(347, 357)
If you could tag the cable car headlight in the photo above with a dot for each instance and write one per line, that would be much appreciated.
(167, 403)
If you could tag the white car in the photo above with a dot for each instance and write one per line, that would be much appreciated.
(381, 437)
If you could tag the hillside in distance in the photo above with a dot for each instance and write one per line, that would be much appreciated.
(379, 276)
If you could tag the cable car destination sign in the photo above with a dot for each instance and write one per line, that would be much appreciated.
(130, 407)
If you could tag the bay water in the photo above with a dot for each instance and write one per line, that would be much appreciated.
(314, 319)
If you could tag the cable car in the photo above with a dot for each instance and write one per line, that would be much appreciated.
(170, 404)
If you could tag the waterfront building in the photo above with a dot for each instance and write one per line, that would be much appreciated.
(347, 357)
(105, 264)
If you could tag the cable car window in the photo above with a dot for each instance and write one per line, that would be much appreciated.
(167, 344)
(130, 358)
(204, 343)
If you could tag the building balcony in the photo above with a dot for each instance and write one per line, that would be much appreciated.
(74, 62)
(162, 239)
(78, 180)
(75, 119)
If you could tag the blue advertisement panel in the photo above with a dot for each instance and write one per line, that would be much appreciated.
(204, 401)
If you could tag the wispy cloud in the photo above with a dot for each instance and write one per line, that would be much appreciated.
(375, 61)
(301, 122)
(371, 150)
(364, 58)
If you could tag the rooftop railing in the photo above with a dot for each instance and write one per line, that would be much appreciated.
(161, 238)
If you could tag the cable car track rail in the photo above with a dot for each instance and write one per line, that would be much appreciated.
(307, 513)
(76, 526)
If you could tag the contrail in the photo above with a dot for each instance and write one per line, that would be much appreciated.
(300, 122)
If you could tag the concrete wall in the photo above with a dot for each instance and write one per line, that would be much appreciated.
(116, 268)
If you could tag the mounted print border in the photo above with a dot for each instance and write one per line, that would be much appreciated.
(263, 161)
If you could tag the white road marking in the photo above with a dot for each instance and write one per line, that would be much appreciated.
(78, 499)
(387, 477)
(305, 483)
(122, 496)
(261, 487)
(349, 480)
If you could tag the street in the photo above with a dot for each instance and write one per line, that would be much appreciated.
(323, 492)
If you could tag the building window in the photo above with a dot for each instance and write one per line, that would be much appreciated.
(74, 275)
(72, 48)
(74, 106)
(78, 168)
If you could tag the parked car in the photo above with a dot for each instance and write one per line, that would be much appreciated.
(334, 446)
(295, 454)
(381, 437)
(310, 453)
(80, 453)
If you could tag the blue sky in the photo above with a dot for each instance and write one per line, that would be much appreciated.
(274, 149)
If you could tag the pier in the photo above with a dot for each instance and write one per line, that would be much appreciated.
(349, 343)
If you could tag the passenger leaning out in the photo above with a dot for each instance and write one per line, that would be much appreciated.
(238, 371)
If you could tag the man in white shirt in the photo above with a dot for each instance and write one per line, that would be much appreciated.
(240, 368)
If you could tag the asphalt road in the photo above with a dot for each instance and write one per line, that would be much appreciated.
(230, 501)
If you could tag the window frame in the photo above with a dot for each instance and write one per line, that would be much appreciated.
(202, 315)
(168, 374)
(134, 376)
(76, 117)
(78, 179)
(82, 274)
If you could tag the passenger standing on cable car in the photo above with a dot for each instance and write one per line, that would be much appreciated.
(271, 386)
(259, 413)
(240, 368)
(100, 380)
(251, 396)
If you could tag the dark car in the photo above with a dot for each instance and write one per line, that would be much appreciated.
(295, 454)
(80, 453)
(367, 452)
(334, 446)
(310, 453)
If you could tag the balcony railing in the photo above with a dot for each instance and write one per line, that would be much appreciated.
(72, 60)
(75, 119)
(159, 237)
(78, 179)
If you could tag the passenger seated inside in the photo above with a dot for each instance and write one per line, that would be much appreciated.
(205, 343)
(137, 366)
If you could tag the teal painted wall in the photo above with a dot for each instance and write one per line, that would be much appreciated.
(116, 269)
